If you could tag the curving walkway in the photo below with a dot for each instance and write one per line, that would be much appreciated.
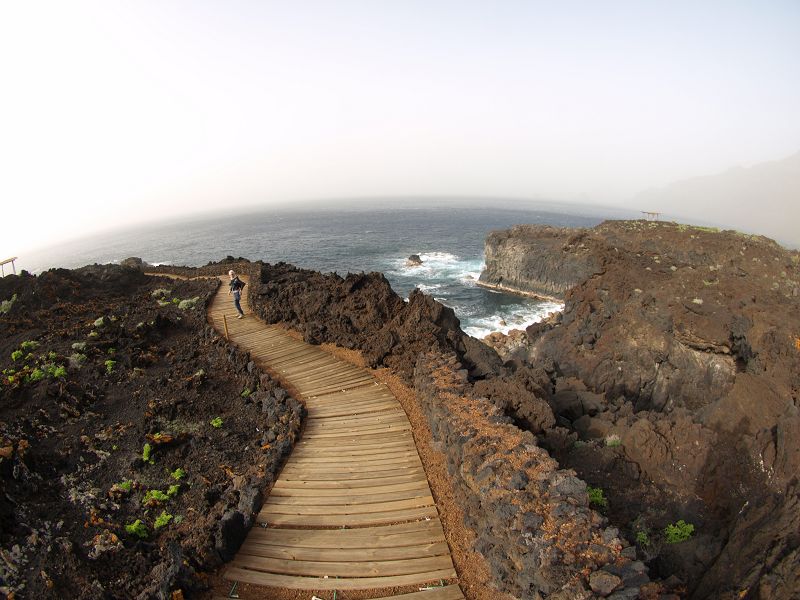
(351, 509)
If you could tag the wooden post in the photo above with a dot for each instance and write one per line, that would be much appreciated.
(225, 323)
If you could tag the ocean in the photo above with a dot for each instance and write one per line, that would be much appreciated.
(449, 241)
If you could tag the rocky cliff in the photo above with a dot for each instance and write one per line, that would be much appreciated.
(538, 260)
(674, 372)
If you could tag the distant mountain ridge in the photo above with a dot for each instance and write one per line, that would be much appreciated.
(763, 199)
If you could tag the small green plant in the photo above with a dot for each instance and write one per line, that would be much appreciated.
(596, 496)
(147, 454)
(642, 538)
(29, 345)
(189, 303)
(216, 422)
(112, 351)
(678, 532)
(126, 485)
(36, 375)
(93, 334)
(160, 292)
(178, 519)
(163, 519)
(153, 496)
(56, 371)
(79, 346)
(99, 322)
(613, 440)
(246, 392)
(178, 474)
(16, 355)
(52, 355)
(138, 529)
(110, 365)
(176, 300)
(6, 305)
(173, 490)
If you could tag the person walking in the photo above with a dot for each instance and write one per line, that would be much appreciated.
(236, 289)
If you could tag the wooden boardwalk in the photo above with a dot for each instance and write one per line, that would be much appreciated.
(351, 509)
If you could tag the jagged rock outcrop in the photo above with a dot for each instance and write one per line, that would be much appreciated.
(538, 260)
(362, 311)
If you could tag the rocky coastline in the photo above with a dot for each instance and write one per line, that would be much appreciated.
(643, 443)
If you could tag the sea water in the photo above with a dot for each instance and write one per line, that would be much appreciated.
(449, 240)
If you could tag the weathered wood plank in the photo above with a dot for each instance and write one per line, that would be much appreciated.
(320, 583)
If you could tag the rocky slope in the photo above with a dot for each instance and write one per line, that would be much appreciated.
(131, 463)
(676, 367)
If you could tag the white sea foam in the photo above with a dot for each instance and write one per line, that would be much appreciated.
(511, 317)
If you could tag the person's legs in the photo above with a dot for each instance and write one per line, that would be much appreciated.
(238, 306)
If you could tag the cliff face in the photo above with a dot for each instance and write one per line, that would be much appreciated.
(538, 260)
(683, 348)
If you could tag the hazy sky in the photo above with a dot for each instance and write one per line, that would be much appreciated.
(118, 112)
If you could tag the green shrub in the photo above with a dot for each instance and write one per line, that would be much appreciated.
(246, 392)
(613, 440)
(596, 496)
(56, 371)
(189, 303)
(155, 495)
(160, 292)
(642, 538)
(163, 519)
(138, 529)
(110, 365)
(125, 486)
(178, 474)
(216, 422)
(678, 532)
(36, 375)
(79, 346)
(100, 322)
(147, 452)
(16, 355)
(93, 334)
(173, 490)
(6, 305)
(29, 345)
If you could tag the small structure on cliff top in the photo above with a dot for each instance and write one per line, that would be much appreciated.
(651, 216)
(5, 262)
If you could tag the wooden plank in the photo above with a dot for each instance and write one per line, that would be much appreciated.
(347, 483)
(300, 493)
(320, 583)
(414, 533)
(438, 592)
(327, 500)
(406, 566)
(358, 438)
(252, 548)
(325, 462)
(328, 475)
(314, 391)
(387, 416)
(317, 432)
(351, 520)
(269, 509)
(301, 467)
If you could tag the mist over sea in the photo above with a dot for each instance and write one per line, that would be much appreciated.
(450, 242)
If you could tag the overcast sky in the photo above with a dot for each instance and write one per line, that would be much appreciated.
(117, 112)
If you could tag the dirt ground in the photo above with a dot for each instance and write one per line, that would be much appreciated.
(128, 440)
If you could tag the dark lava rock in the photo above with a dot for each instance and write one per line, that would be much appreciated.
(603, 582)
(698, 333)
(414, 260)
(362, 311)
